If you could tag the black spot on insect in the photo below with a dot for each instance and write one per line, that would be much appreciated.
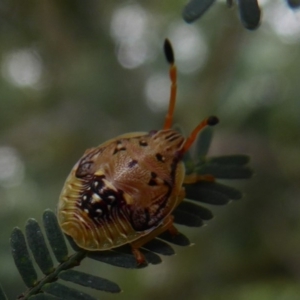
(143, 143)
(153, 175)
(152, 181)
(160, 157)
(132, 163)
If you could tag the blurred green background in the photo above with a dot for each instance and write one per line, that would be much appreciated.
(76, 73)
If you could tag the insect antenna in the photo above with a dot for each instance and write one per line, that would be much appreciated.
(173, 76)
(210, 121)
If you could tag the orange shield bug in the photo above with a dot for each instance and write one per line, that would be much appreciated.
(124, 191)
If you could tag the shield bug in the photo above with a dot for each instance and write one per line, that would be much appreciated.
(124, 191)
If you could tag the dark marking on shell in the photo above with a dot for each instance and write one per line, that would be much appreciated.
(160, 157)
(97, 199)
(153, 175)
(132, 163)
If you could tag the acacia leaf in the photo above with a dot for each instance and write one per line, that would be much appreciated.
(66, 293)
(37, 244)
(236, 159)
(178, 239)
(22, 258)
(159, 247)
(118, 259)
(194, 209)
(2, 294)
(55, 236)
(293, 3)
(187, 219)
(195, 9)
(91, 281)
(249, 13)
(225, 171)
(43, 296)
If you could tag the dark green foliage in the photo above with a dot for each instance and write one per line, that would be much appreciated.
(64, 292)
(249, 10)
(179, 239)
(249, 13)
(2, 294)
(293, 3)
(225, 167)
(188, 213)
(151, 257)
(206, 191)
(197, 210)
(195, 9)
(43, 297)
(234, 160)
(186, 218)
(37, 245)
(55, 236)
(159, 247)
(202, 143)
(118, 259)
(21, 257)
(91, 281)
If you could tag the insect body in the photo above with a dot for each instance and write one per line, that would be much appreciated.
(124, 191)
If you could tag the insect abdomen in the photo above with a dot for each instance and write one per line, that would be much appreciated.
(97, 226)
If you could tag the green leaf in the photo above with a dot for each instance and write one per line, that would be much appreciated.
(194, 209)
(249, 13)
(225, 171)
(228, 191)
(55, 236)
(159, 247)
(64, 292)
(198, 193)
(203, 142)
(195, 9)
(151, 257)
(237, 159)
(43, 297)
(293, 3)
(21, 257)
(187, 219)
(38, 246)
(2, 294)
(74, 246)
(178, 239)
(114, 258)
(91, 281)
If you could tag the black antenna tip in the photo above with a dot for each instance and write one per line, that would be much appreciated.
(212, 121)
(169, 52)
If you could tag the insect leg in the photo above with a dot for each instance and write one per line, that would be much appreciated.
(166, 225)
(193, 178)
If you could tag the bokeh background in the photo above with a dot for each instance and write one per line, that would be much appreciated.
(76, 73)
